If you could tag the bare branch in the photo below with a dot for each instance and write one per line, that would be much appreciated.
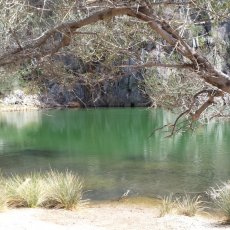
(153, 64)
(41, 46)
(211, 95)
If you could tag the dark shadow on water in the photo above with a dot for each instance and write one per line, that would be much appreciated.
(39, 153)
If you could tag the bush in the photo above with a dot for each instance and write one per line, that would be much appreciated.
(221, 197)
(63, 190)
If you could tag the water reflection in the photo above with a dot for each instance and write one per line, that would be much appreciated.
(110, 148)
(20, 119)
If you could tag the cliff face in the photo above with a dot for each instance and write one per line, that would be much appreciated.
(224, 31)
(126, 90)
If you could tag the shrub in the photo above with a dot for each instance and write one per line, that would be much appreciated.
(24, 191)
(189, 206)
(63, 190)
(221, 197)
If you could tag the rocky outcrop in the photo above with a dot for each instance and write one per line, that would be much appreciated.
(224, 32)
(124, 91)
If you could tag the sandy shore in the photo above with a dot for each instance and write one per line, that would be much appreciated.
(112, 216)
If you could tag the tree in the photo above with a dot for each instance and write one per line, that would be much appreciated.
(164, 24)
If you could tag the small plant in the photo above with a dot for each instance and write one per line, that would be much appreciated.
(63, 190)
(24, 191)
(221, 197)
(167, 205)
(189, 206)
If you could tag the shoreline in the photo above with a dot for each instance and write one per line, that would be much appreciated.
(14, 108)
(112, 215)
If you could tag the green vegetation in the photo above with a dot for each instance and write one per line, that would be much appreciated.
(51, 190)
(221, 197)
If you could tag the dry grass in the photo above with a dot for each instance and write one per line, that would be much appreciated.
(221, 197)
(189, 206)
(63, 190)
(185, 205)
(3, 204)
(167, 205)
(24, 191)
(52, 190)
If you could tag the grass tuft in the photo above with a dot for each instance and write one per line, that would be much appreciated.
(63, 190)
(24, 191)
(52, 190)
(221, 197)
(167, 205)
(189, 206)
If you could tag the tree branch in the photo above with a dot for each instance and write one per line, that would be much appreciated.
(41, 46)
(153, 64)
(194, 116)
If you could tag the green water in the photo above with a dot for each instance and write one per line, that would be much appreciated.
(111, 150)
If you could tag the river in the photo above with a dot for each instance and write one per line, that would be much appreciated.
(111, 150)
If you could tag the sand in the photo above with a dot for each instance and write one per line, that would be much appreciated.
(102, 216)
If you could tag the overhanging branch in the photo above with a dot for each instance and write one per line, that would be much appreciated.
(37, 48)
(153, 64)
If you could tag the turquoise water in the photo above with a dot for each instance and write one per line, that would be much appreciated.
(111, 150)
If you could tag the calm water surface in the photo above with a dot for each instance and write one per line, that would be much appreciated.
(111, 150)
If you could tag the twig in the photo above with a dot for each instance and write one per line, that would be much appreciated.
(16, 38)
(152, 64)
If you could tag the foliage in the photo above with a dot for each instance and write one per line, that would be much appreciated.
(109, 47)
(174, 91)
(221, 197)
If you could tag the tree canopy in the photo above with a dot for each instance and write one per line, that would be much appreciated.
(99, 29)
